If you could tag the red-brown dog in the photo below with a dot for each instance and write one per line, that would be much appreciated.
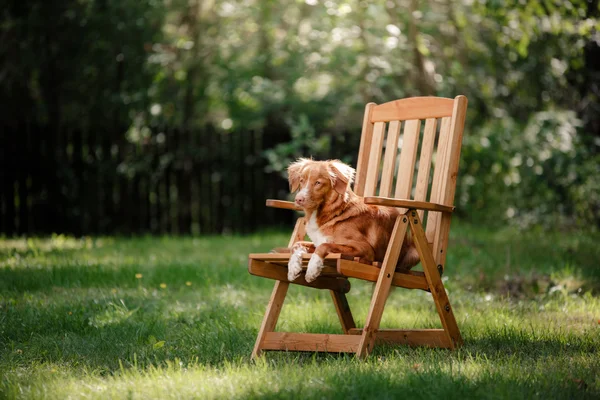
(338, 221)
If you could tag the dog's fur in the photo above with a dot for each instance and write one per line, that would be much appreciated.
(338, 221)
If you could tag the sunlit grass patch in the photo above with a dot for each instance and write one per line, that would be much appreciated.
(177, 318)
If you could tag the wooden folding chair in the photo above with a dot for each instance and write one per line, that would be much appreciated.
(431, 241)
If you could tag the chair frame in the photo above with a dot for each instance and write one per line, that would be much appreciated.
(431, 243)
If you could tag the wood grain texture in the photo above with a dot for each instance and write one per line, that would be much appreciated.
(343, 310)
(438, 292)
(299, 232)
(389, 159)
(316, 342)
(409, 337)
(277, 296)
(286, 256)
(408, 280)
(448, 181)
(408, 156)
(419, 205)
(382, 288)
(413, 108)
(364, 151)
(288, 205)
(271, 316)
(273, 271)
(374, 159)
(433, 219)
(425, 156)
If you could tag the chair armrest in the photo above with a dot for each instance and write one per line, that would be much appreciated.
(419, 205)
(288, 205)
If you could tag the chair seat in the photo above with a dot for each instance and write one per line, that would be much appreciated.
(338, 267)
(283, 259)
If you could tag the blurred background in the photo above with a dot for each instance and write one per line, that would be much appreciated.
(180, 116)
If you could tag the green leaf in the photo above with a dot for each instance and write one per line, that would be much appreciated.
(159, 344)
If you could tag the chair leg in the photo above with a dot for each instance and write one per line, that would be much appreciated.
(442, 303)
(382, 287)
(278, 296)
(271, 315)
(299, 232)
(343, 310)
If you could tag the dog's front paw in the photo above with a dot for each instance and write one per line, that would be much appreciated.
(315, 266)
(295, 264)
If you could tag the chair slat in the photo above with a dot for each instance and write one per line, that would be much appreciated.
(364, 151)
(374, 159)
(389, 160)
(425, 161)
(433, 217)
(413, 108)
(408, 155)
(448, 181)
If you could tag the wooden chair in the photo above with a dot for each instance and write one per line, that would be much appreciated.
(441, 149)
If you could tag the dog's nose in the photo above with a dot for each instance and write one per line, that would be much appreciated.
(299, 200)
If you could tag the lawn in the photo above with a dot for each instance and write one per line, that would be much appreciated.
(164, 317)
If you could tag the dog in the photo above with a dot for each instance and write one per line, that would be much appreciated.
(338, 220)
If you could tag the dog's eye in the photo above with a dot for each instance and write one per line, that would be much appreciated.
(317, 183)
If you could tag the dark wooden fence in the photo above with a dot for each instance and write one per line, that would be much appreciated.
(163, 181)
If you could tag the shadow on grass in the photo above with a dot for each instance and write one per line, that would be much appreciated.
(494, 349)
(434, 383)
(99, 276)
(98, 335)
(526, 259)
(498, 366)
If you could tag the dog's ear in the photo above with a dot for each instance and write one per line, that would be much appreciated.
(347, 171)
(342, 176)
(295, 173)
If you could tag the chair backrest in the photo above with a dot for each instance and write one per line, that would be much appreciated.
(389, 171)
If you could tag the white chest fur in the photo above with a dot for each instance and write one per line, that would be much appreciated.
(313, 231)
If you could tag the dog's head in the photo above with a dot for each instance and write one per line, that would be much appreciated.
(316, 181)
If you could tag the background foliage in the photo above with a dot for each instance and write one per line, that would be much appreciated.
(300, 72)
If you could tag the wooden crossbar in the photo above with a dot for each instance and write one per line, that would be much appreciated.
(419, 205)
(311, 342)
(409, 337)
(410, 280)
(348, 343)
(287, 205)
(412, 108)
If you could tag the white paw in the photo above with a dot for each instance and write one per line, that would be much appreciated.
(295, 264)
(315, 266)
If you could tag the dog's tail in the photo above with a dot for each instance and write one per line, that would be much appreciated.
(410, 259)
(411, 255)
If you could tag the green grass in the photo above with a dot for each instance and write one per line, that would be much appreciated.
(76, 322)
